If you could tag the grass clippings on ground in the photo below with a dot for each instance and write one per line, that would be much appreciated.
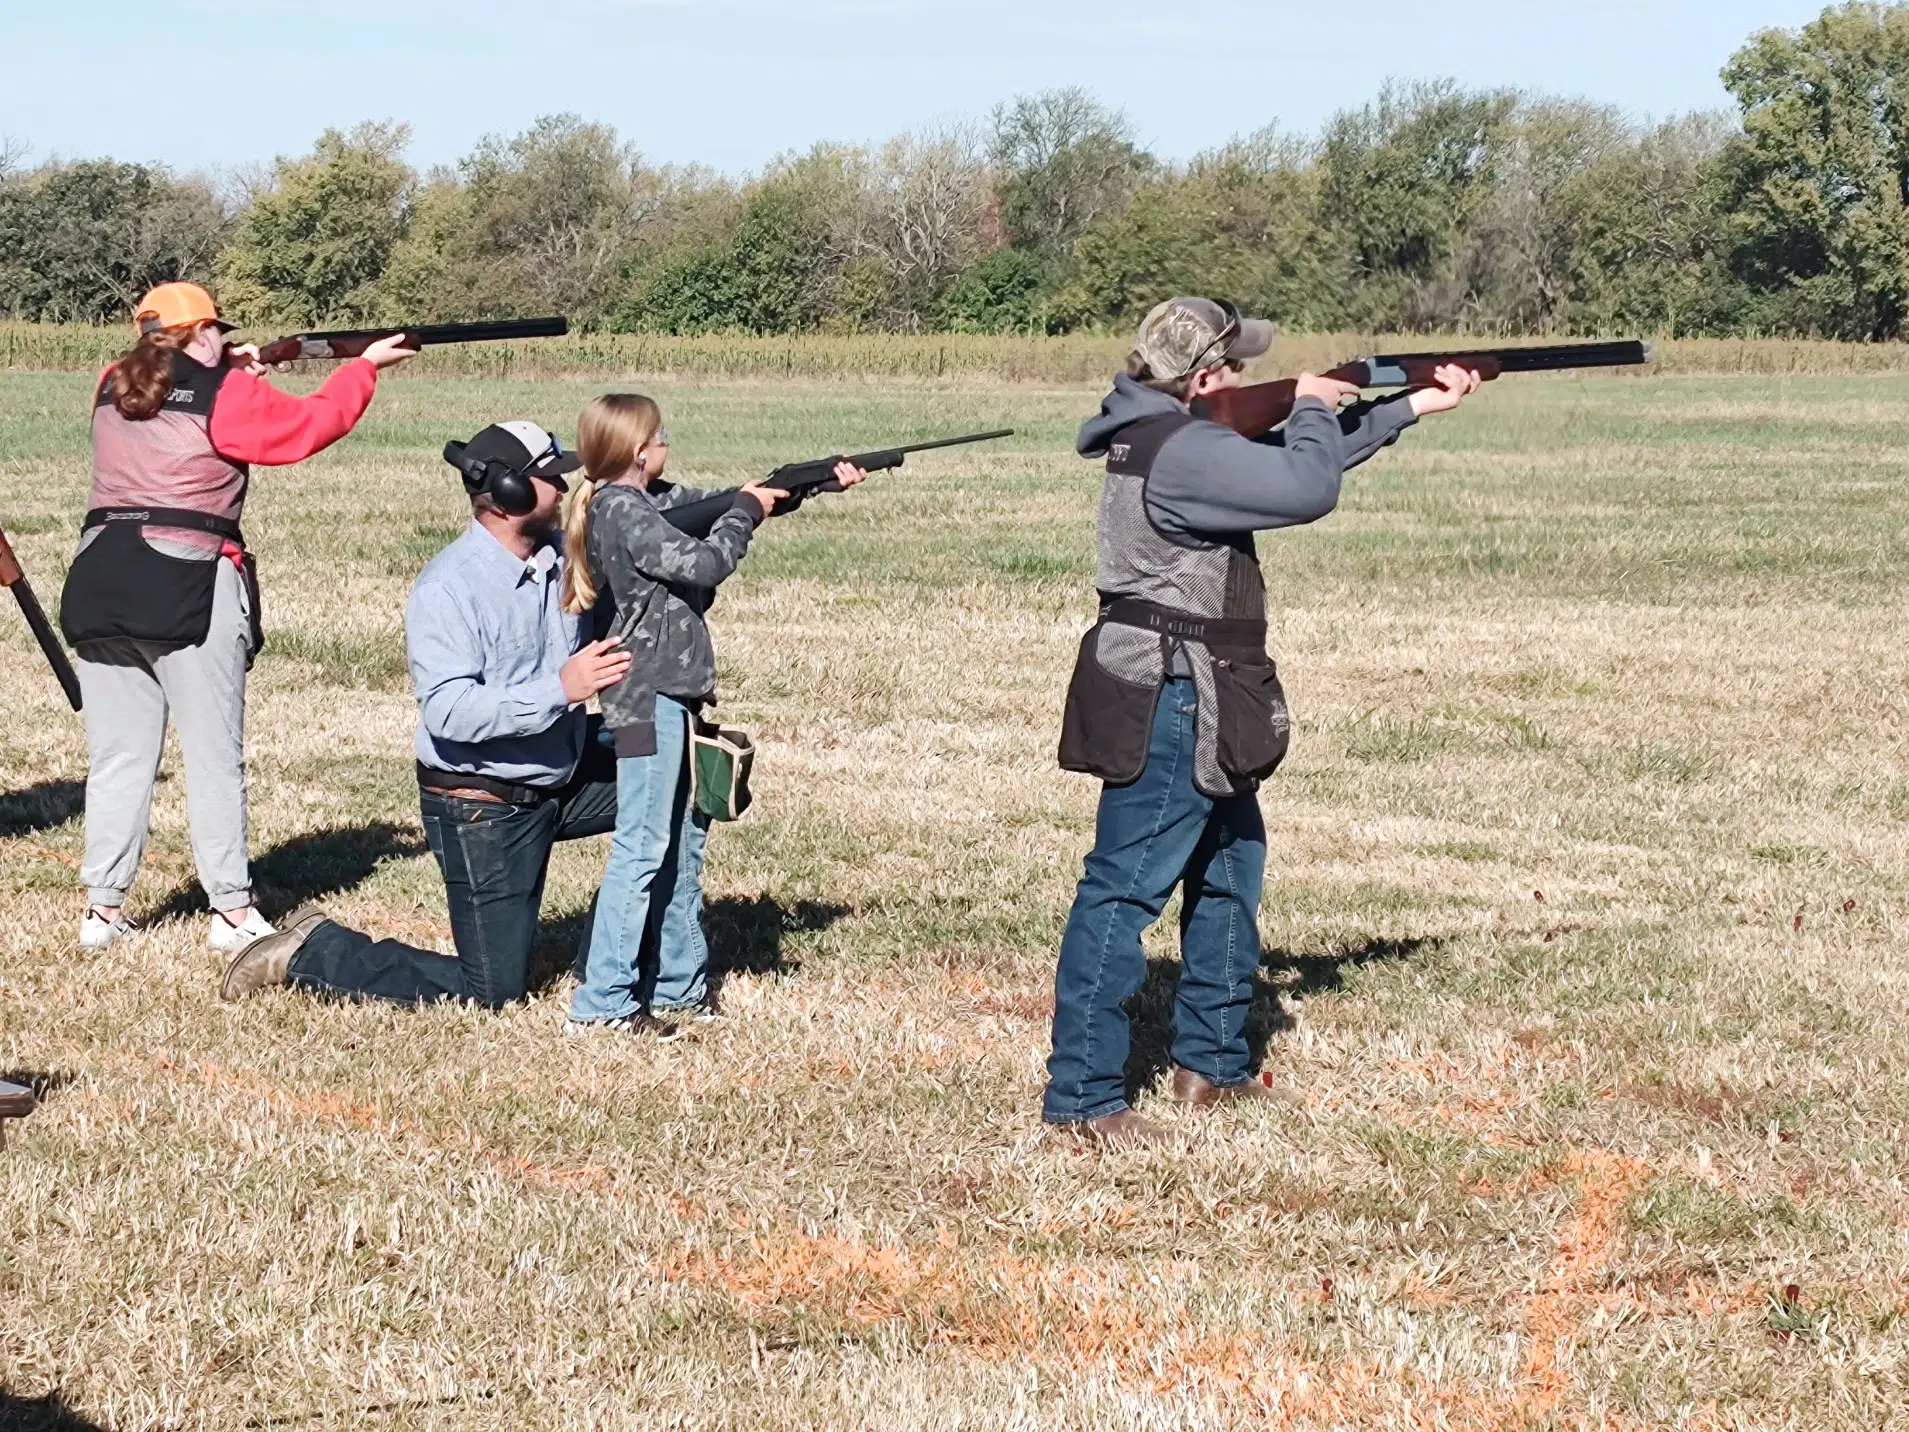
(1582, 928)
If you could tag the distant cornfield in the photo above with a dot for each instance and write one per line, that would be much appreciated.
(1075, 358)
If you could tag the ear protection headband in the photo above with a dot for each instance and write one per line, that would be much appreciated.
(506, 484)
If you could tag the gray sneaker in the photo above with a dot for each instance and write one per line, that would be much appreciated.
(267, 961)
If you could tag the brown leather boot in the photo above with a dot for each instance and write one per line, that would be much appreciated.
(267, 962)
(1123, 1129)
(1202, 1093)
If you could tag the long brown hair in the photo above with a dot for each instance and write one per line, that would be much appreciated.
(143, 377)
(611, 431)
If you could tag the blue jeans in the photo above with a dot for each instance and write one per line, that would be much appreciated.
(493, 857)
(1155, 834)
(652, 894)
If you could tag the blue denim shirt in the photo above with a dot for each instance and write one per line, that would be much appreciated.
(487, 636)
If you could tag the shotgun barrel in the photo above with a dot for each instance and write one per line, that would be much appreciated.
(15, 581)
(803, 479)
(1398, 370)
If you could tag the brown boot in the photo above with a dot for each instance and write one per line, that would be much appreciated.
(1122, 1129)
(1202, 1093)
(267, 961)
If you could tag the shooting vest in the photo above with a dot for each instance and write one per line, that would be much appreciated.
(1179, 605)
(162, 479)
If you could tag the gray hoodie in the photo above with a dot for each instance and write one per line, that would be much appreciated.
(1210, 482)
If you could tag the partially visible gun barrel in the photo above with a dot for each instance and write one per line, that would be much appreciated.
(352, 342)
(1260, 407)
(802, 480)
(15, 580)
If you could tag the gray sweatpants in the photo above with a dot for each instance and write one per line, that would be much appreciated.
(129, 688)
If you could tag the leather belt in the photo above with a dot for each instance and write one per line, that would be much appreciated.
(468, 785)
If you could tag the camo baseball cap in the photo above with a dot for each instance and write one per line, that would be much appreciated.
(1185, 334)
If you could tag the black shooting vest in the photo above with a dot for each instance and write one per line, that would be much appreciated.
(1172, 605)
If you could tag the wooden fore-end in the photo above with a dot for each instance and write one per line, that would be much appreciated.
(16, 1102)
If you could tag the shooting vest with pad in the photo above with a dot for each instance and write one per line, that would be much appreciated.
(1172, 605)
(158, 480)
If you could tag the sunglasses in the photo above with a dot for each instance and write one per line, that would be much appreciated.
(555, 479)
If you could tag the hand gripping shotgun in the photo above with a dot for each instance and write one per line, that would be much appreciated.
(802, 480)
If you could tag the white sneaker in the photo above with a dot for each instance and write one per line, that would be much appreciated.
(228, 938)
(97, 932)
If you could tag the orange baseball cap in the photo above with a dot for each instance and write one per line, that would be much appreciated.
(172, 305)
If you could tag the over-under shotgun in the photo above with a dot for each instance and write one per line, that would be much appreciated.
(1260, 407)
(352, 342)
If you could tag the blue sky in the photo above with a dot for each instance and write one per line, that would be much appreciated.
(730, 83)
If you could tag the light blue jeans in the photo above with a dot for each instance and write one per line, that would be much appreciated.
(652, 895)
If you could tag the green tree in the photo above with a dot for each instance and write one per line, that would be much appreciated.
(771, 275)
(1064, 161)
(312, 246)
(1402, 182)
(1818, 184)
(1009, 291)
(82, 241)
(1513, 267)
(1241, 223)
(433, 274)
(1649, 239)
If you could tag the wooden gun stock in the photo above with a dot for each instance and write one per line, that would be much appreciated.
(1258, 408)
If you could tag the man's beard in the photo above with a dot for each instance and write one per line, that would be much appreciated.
(542, 527)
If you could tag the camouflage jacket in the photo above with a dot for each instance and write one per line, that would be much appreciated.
(659, 582)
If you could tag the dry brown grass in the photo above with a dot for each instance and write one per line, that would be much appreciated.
(1583, 924)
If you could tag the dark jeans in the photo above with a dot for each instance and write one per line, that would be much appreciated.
(1152, 835)
(494, 858)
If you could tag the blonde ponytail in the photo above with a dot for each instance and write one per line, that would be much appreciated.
(611, 431)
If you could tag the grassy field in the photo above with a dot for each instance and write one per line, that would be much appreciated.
(1584, 932)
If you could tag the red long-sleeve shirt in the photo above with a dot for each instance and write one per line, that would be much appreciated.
(254, 422)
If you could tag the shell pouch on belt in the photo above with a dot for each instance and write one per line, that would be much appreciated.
(720, 759)
(119, 586)
(1255, 728)
(1107, 725)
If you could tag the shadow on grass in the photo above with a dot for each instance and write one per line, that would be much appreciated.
(307, 867)
(41, 807)
(42, 1414)
(745, 937)
(1151, 1011)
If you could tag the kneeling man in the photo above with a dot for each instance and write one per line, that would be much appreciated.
(507, 759)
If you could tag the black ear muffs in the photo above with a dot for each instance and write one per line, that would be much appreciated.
(509, 487)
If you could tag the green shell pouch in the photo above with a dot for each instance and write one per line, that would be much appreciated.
(720, 759)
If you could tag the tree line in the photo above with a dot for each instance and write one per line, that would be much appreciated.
(1432, 207)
